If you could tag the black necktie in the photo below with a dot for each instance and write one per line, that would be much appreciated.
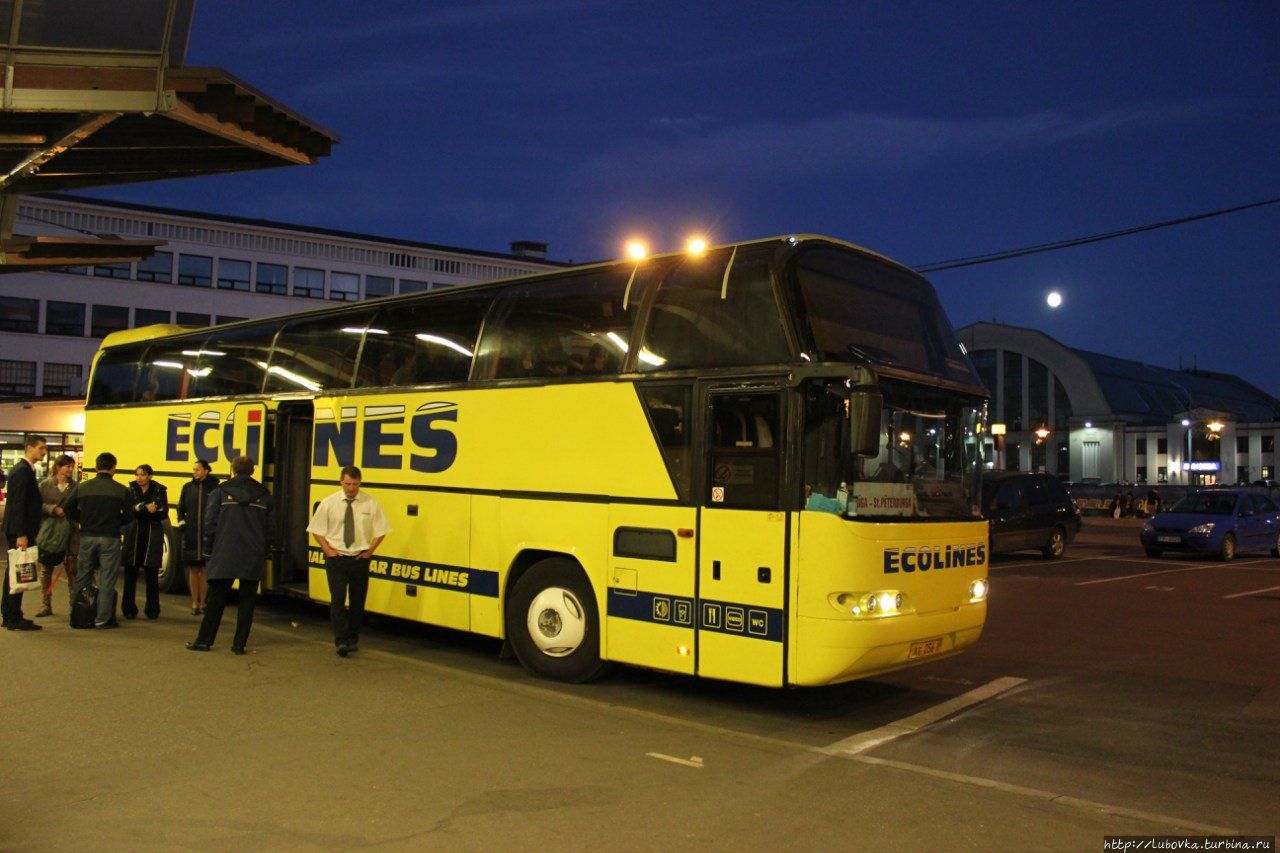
(349, 524)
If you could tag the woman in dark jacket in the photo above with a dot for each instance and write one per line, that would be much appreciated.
(191, 517)
(144, 542)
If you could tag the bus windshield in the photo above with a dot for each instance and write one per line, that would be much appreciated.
(928, 461)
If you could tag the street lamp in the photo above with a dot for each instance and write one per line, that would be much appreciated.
(1186, 462)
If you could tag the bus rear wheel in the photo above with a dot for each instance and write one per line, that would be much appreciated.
(553, 623)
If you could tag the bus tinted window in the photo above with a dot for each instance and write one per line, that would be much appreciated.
(169, 368)
(428, 341)
(313, 353)
(234, 361)
(699, 320)
(574, 326)
(115, 375)
(862, 307)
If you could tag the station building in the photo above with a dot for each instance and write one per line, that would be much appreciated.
(210, 269)
(1095, 418)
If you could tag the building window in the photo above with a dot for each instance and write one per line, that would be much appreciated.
(76, 270)
(149, 316)
(112, 271)
(187, 318)
(1162, 446)
(1266, 472)
(232, 274)
(1242, 444)
(223, 319)
(106, 319)
(1268, 444)
(62, 380)
(272, 278)
(1064, 459)
(1012, 456)
(18, 378)
(377, 285)
(409, 285)
(1089, 453)
(308, 283)
(1242, 473)
(19, 315)
(195, 270)
(64, 318)
(1162, 474)
(1037, 394)
(344, 287)
(1142, 473)
(1061, 405)
(158, 267)
(1013, 390)
(1141, 445)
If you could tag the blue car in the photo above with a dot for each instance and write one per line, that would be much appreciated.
(1218, 522)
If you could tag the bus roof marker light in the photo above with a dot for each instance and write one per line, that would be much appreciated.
(444, 342)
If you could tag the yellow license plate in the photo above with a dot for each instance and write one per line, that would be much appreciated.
(924, 648)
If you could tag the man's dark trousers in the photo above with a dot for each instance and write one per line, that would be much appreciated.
(347, 574)
(10, 603)
(216, 602)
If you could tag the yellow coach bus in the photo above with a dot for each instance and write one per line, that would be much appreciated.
(756, 462)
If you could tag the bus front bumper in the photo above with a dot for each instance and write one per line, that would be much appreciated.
(831, 651)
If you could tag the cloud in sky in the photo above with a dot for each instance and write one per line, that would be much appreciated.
(853, 144)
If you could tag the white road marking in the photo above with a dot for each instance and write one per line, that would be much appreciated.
(909, 725)
(549, 694)
(1168, 571)
(995, 566)
(1048, 796)
(1161, 588)
(1252, 592)
(692, 761)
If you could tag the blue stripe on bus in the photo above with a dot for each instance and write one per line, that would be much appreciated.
(723, 617)
(434, 575)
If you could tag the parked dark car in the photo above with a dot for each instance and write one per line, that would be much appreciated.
(1221, 522)
(1029, 511)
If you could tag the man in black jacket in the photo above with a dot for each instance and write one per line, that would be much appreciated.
(21, 525)
(103, 508)
(238, 528)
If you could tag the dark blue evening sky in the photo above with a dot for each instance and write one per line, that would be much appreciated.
(925, 131)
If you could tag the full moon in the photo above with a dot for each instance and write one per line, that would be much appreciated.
(1054, 299)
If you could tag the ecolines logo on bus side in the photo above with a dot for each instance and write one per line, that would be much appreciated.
(926, 557)
(211, 433)
(382, 437)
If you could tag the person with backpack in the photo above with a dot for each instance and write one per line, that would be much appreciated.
(58, 540)
(238, 530)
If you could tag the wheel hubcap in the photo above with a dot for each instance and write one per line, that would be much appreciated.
(1057, 544)
(557, 622)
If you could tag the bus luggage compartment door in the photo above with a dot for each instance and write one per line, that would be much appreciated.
(650, 606)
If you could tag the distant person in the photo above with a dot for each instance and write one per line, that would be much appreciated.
(144, 543)
(1127, 508)
(191, 518)
(21, 525)
(348, 526)
(1154, 503)
(103, 508)
(238, 529)
(58, 533)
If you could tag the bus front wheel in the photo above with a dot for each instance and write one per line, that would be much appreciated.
(553, 623)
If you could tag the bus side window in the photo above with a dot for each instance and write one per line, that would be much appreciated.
(169, 368)
(115, 375)
(431, 340)
(700, 320)
(574, 326)
(317, 352)
(668, 407)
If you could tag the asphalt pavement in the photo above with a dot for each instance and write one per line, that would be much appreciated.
(1111, 694)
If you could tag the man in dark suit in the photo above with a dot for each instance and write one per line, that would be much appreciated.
(22, 524)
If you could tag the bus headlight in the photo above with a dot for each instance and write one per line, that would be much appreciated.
(881, 603)
(978, 591)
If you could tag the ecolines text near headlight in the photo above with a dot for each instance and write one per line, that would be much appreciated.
(925, 557)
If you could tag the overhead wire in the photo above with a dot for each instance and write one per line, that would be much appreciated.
(974, 260)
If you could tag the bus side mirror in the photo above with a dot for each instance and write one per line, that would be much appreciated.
(864, 422)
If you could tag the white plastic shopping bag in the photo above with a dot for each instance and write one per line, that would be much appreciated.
(23, 571)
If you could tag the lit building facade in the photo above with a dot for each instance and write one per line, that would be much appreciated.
(211, 269)
(1093, 418)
